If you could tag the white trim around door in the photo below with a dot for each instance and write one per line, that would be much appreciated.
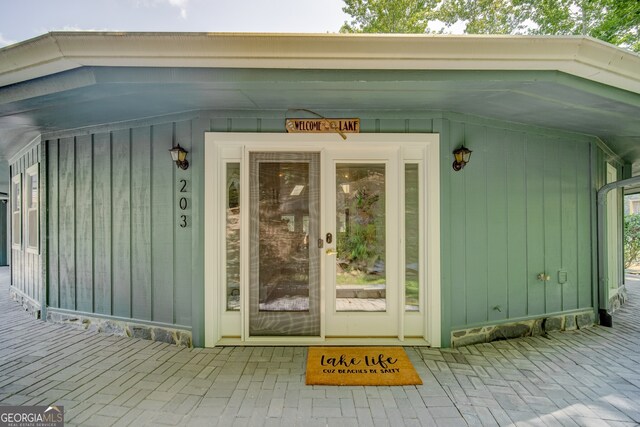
(227, 222)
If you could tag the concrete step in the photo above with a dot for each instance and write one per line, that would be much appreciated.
(361, 291)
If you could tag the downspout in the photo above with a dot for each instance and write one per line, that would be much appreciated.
(603, 303)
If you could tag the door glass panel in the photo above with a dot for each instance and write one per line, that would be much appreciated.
(360, 228)
(233, 236)
(284, 246)
(284, 219)
(412, 237)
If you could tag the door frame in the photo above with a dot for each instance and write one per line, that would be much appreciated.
(614, 233)
(215, 151)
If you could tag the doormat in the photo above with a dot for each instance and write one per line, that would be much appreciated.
(360, 366)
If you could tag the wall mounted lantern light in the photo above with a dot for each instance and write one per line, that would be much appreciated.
(179, 155)
(462, 156)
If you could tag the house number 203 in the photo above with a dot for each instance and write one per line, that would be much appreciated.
(183, 203)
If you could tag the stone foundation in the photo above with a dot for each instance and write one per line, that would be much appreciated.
(29, 305)
(178, 337)
(616, 301)
(525, 328)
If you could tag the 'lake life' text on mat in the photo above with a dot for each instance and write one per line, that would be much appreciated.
(360, 366)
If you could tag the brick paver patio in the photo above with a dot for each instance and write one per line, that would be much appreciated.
(588, 377)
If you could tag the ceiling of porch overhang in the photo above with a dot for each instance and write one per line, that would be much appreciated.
(92, 96)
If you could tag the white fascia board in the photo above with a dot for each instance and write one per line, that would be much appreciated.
(32, 59)
(583, 57)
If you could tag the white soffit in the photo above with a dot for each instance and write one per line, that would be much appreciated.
(579, 56)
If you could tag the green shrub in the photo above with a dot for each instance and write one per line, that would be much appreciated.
(631, 240)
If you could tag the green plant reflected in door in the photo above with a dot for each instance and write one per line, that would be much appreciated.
(360, 227)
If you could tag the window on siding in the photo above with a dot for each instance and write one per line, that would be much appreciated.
(16, 211)
(32, 196)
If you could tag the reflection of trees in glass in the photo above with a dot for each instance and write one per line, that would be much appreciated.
(361, 209)
(233, 236)
(412, 234)
(358, 244)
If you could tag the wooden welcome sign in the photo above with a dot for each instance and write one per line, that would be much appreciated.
(322, 125)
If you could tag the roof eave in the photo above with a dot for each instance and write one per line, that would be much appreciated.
(61, 51)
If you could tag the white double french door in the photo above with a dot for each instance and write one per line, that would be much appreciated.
(314, 240)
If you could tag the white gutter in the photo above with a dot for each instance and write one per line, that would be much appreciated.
(60, 51)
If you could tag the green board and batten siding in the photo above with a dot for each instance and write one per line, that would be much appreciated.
(522, 206)
(115, 247)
